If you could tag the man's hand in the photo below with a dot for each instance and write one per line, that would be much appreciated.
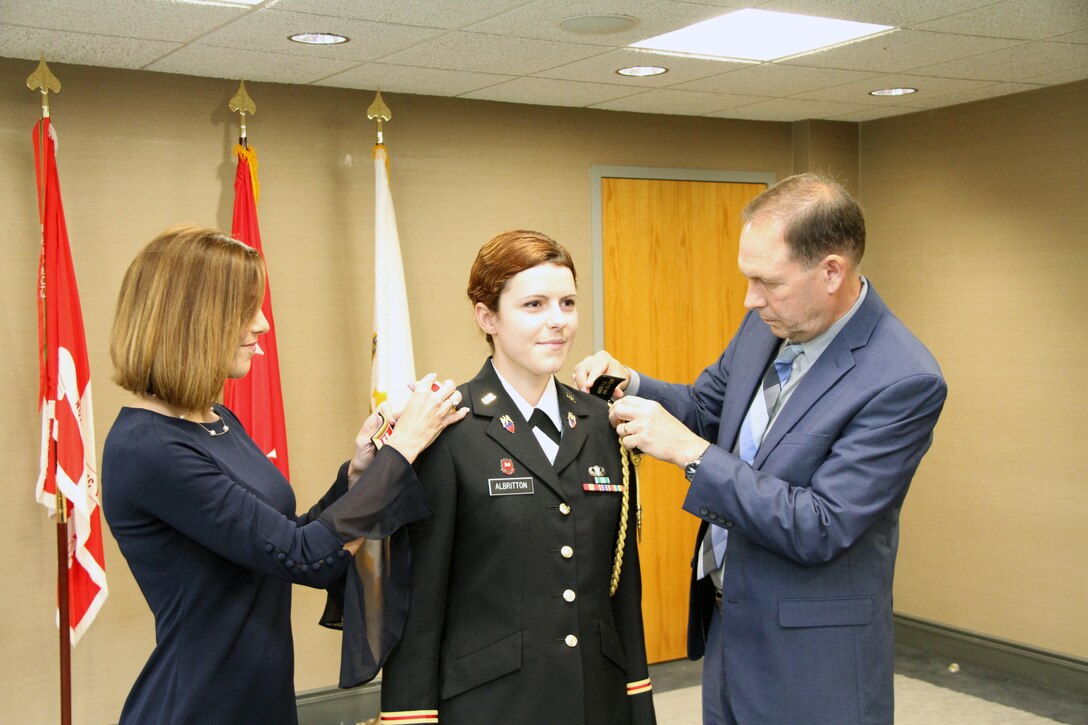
(597, 365)
(645, 425)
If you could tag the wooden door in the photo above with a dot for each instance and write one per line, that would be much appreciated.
(672, 300)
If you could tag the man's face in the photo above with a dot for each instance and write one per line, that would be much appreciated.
(796, 303)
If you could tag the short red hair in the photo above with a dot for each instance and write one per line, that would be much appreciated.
(507, 255)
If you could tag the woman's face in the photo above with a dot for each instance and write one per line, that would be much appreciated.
(535, 324)
(247, 345)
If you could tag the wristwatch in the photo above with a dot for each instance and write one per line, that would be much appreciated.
(691, 468)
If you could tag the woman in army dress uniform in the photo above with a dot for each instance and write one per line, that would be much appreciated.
(517, 615)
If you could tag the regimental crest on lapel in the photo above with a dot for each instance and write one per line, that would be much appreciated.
(572, 420)
(507, 423)
(506, 465)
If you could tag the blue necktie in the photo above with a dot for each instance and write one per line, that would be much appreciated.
(752, 430)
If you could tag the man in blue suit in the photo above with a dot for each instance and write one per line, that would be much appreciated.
(799, 444)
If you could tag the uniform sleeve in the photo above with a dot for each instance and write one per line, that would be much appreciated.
(410, 679)
(627, 613)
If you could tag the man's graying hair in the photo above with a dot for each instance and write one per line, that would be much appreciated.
(819, 215)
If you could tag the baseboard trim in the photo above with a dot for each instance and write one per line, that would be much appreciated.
(333, 706)
(1041, 667)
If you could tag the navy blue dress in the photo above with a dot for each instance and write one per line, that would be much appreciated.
(208, 527)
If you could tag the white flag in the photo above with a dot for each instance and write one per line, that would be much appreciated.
(393, 364)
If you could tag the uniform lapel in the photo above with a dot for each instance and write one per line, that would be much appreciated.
(574, 436)
(489, 400)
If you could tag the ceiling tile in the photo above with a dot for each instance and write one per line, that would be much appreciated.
(899, 51)
(883, 12)
(408, 79)
(991, 90)
(488, 53)
(1016, 19)
(424, 13)
(680, 103)
(928, 87)
(541, 19)
(1013, 64)
(783, 80)
(548, 92)
(602, 68)
(789, 109)
(269, 30)
(147, 19)
(1081, 36)
(251, 65)
(81, 48)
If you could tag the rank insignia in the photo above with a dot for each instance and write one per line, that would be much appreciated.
(596, 471)
(488, 399)
(570, 395)
(506, 465)
(507, 423)
(571, 419)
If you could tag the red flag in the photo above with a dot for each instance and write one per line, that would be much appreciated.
(257, 399)
(68, 452)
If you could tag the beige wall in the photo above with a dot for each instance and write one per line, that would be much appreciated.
(141, 151)
(977, 217)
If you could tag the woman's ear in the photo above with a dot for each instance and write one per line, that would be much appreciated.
(485, 318)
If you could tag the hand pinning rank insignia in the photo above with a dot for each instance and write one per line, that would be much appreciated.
(507, 423)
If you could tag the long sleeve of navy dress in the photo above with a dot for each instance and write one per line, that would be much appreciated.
(208, 527)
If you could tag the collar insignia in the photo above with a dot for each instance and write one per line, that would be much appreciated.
(507, 423)
(488, 399)
(571, 419)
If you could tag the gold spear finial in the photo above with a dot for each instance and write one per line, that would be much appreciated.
(380, 112)
(242, 104)
(42, 79)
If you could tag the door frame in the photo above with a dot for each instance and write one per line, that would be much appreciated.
(598, 172)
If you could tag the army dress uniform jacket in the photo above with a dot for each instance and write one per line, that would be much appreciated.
(510, 620)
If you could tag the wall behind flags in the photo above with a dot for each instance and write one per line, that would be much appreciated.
(141, 151)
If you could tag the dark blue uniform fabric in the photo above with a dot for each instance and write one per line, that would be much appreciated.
(208, 527)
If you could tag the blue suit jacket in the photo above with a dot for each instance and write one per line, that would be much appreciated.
(814, 521)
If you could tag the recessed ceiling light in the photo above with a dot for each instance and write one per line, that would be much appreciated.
(760, 35)
(641, 71)
(598, 24)
(319, 38)
(893, 91)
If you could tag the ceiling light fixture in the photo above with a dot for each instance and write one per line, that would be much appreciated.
(598, 24)
(760, 35)
(641, 71)
(319, 38)
(893, 91)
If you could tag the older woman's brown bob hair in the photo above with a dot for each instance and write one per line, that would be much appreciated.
(183, 303)
(507, 255)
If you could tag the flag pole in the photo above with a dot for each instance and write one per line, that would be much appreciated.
(242, 104)
(43, 80)
(380, 112)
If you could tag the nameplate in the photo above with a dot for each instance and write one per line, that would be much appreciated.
(510, 486)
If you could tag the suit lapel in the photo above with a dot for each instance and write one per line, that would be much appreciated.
(835, 362)
(521, 443)
(745, 377)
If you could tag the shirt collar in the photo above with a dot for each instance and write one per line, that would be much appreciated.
(812, 349)
(549, 399)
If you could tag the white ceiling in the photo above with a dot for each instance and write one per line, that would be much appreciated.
(953, 51)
